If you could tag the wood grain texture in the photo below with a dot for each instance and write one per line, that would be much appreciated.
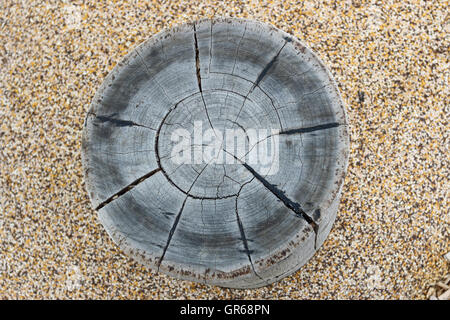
(223, 224)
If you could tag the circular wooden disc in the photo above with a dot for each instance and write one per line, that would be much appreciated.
(221, 218)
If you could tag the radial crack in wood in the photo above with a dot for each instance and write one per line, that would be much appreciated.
(127, 188)
(244, 238)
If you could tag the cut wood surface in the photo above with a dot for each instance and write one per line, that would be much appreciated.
(229, 224)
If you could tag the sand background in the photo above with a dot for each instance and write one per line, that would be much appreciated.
(391, 61)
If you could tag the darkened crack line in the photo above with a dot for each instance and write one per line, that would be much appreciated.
(268, 66)
(177, 219)
(119, 122)
(294, 131)
(312, 129)
(199, 78)
(248, 252)
(197, 60)
(127, 188)
(227, 176)
(261, 76)
(294, 206)
(171, 232)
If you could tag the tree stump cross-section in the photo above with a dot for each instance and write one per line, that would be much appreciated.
(216, 152)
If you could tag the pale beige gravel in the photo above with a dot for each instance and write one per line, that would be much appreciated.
(391, 61)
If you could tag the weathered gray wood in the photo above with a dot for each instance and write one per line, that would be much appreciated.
(224, 224)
